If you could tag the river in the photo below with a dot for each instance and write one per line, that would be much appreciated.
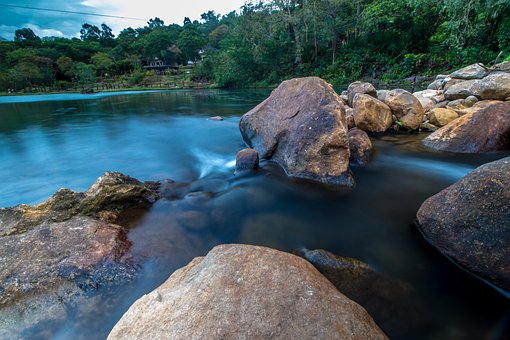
(54, 141)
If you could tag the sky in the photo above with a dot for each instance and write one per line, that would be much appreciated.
(45, 23)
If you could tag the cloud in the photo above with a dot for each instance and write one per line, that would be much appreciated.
(44, 32)
(69, 25)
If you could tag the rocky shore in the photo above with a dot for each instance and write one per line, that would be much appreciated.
(58, 253)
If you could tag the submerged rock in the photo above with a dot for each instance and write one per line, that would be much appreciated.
(360, 146)
(469, 222)
(247, 159)
(387, 300)
(302, 127)
(485, 128)
(239, 291)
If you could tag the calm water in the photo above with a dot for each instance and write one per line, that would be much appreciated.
(49, 142)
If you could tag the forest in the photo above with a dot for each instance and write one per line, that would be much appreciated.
(268, 41)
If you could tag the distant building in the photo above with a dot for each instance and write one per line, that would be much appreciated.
(159, 65)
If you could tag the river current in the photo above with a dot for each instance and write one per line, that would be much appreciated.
(54, 141)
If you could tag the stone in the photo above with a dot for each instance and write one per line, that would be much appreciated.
(485, 128)
(441, 117)
(426, 98)
(470, 101)
(216, 118)
(302, 127)
(360, 87)
(428, 126)
(406, 107)
(495, 86)
(450, 82)
(371, 114)
(502, 67)
(111, 196)
(247, 159)
(437, 84)
(349, 116)
(360, 146)
(388, 300)
(475, 71)
(456, 105)
(242, 291)
(469, 222)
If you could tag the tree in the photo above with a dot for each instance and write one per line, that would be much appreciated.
(154, 23)
(191, 40)
(90, 32)
(25, 37)
(106, 36)
(102, 62)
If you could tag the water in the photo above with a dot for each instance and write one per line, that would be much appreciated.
(49, 142)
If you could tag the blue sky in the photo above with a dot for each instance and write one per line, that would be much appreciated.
(68, 25)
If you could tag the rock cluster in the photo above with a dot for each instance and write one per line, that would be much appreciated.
(242, 291)
(471, 112)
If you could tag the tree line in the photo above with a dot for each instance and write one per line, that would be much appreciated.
(268, 41)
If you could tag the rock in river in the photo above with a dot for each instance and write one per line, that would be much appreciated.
(371, 114)
(360, 146)
(485, 128)
(242, 291)
(53, 254)
(302, 127)
(406, 107)
(247, 159)
(470, 222)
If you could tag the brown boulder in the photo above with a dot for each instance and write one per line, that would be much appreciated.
(469, 222)
(360, 146)
(406, 107)
(247, 159)
(302, 127)
(241, 291)
(441, 117)
(371, 114)
(485, 128)
(360, 87)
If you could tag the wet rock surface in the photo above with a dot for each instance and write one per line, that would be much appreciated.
(302, 127)
(469, 222)
(246, 291)
(386, 299)
(55, 254)
(247, 159)
(360, 146)
(484, 128)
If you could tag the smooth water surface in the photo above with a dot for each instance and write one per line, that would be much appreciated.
(68, 141)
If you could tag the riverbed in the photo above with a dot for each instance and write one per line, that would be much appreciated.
(55, 141)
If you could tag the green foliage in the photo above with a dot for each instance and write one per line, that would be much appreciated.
(273, 40)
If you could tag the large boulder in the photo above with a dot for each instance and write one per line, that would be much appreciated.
(406, 107)
(302, 127)
(469, 222)
(495, 86)
(360, 146)
(441, 117)
(485, 128)
(360, 87)
(427, 98)
(371, 114)
(241, 291)
(475, 71)
(388, 300)
(55, 255)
